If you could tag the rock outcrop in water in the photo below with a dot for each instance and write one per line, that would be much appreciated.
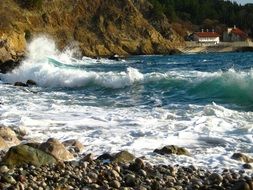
(97, 27)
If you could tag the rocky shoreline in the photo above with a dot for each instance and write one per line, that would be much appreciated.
(65, 165)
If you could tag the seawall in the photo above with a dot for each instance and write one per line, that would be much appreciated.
(194, 47)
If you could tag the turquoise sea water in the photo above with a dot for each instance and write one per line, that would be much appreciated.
(203, 102)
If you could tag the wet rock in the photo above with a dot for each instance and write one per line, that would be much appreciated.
(78, 147)
(123, 156)
(137, 165)
(242, 157)
(88, 158)
(247, 166)
(9, 136)
(116, 184)
(105, 157)
(172, 149)
(9, 179)
(23, 154)
(155, 185)
(215, 178)
(3, 144)
(241, 185)
(33, 144)
(20, 133)
(130, 180)
(115, 57)
(115, 174)
(7, 66)
(31, 83)
(20, 84)
(143, 173)
(4, 169)
(20, 186)
(57, 149)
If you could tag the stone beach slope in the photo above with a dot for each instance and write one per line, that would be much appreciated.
(96, 27)
(65, 165)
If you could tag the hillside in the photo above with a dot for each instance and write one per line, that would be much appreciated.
(206, 14)
(98, 27)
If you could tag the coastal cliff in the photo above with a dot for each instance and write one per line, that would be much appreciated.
(97, 27)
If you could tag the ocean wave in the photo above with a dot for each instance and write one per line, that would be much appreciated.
(232, 86)
(52, 68)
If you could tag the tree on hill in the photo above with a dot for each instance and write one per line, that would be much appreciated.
(199, 11)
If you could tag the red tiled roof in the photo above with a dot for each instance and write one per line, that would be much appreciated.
(207, 34)
(239, 32)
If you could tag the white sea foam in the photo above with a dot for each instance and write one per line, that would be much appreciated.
(51, 68)
(40, 66)
(211, 132)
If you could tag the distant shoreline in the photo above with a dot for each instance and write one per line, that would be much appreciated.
(223, 47)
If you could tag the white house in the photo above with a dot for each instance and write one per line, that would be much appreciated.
(207, 38)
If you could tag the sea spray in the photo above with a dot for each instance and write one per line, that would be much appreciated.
(138, 105)
(51, 68)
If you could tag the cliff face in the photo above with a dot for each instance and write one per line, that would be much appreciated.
(99, 27)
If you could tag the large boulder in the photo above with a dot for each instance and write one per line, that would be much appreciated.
(242, 157)
(9, 136)
(74, 145)
(123, 156)
(23, 154)
(8, 65)
(20, 84)
(172, 149)
(57, 149)
(12, 48)
(31, 82)
(4, 54)
(3, 144)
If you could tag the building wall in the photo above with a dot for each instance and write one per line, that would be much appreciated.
(236, 38)
(230, 37)
(214, 40)
(226, 37)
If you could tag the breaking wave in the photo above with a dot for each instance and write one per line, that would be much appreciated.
(52, 68)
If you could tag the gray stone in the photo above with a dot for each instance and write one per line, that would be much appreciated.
(23, 154)
(31, 83)
(78, 147)
(20, 84)
(242, 157)
(9, 136)
(130, 180)
(172, 149)
(57, 149)
(9, 179)
(123, 156)
(4, 169)
(116, 184)
(247, 166)
(215, 178)
(241, 185)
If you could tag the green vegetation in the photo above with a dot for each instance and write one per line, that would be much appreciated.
(29, 4)
(202, 12)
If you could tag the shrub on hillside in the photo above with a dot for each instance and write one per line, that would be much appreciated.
(29, 4)
(5, 21)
